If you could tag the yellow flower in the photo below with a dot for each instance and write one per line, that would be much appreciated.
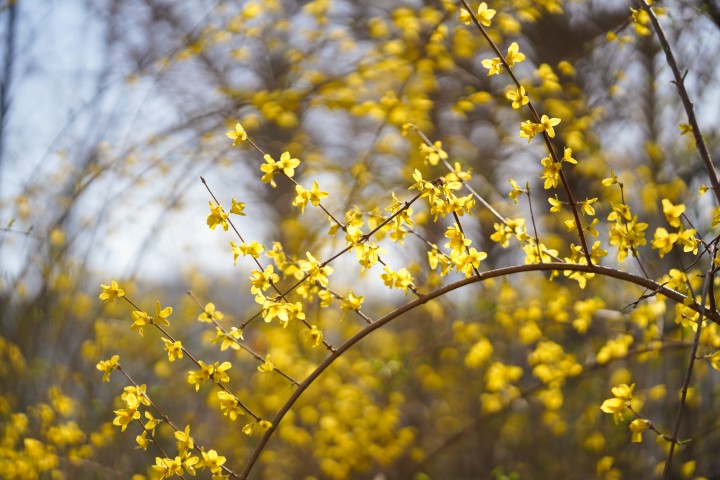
(567, 156)
(528, 129)
(266, 366)
(637, 427)
(514, 56)
(288, 164)
(611, 180)
(108, 366)
(184, 441)
(210, 314)
(551, 172)
(174, 349)
(314, 195)
(485, 14)
(238, 135)
(217, 217)
(547, 124)
(494, 65)
(314, 336)
(673, 213)
(685, 128)
(237, 207)
(517, 97)
(254, 249)
(129, 413)
(111, 292)
(213, 461)
(556, 204)
(664, 241)
(516, 190)
(229, 405)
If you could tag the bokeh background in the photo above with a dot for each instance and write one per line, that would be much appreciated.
(111, 111)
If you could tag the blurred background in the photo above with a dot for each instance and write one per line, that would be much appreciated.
(111, 111)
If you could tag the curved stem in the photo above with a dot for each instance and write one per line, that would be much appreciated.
(500, 272)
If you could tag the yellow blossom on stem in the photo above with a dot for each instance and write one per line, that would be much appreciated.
(611, 180)
(314, 336)
(528, 129)
(546, 125)
(315, 271)
(494, 66)
(303, 196)
(551, 172)
(210, 314)
(229, 405)
(184, 441)
(111, 292)
(516, 190)
(351, 302)
(637, 427)
(401, 279)
(237, 135)
(433, 153)
(567, 156)
(270, 168)
(673, 213)
(514, 56)
(108, 366)
(254, 249)
(126, 415)
(267, 366)
(217, 217)
(174, 349)
(288, 164)
(237, 208)
(212, 461)
(228, 339)
(196, 377)
(622, 396)
(261, 281)
(168, 467)
(484, 15)
(664, 241)
(517, 97)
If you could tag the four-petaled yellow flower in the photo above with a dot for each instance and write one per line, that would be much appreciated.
(237, 208)
(237, 135)
(517, 97)
(210, 314)
(494, 66)
(313, 336)
(174, 349)
(546, 125)
(314, 195)
(637, 427)
(217, 217)
(111, 292)
(551, 172)
(567, 156)
(484, 15)
(108, 366)
(514, 55)
(129, 413)
(267, 366)
(212, 461)
(622, 396)
(673, 213)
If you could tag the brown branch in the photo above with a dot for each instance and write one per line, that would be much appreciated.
(500, 272)
(687, 104)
